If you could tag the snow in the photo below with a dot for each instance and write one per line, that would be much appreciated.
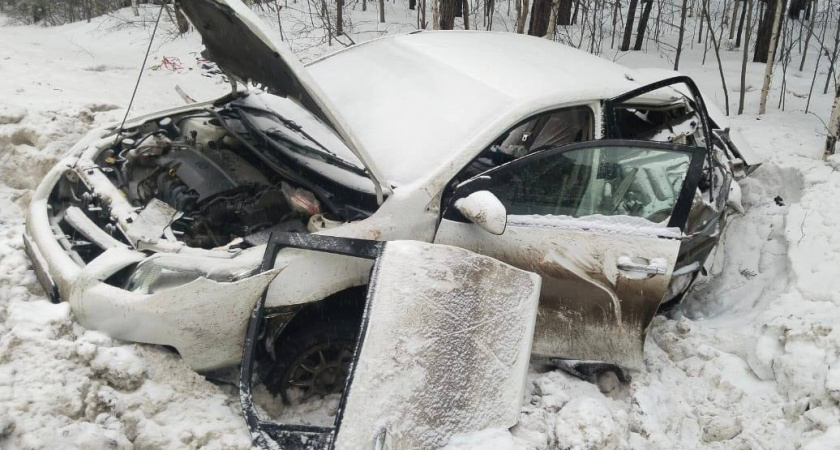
(750, 360)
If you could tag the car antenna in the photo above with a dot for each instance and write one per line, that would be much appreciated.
(140, 75)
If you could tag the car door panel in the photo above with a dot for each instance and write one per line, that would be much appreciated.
(604, 275)
(589, 309)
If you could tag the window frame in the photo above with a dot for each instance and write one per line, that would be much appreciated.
(610, 106)
(682, 205)
(595, 115)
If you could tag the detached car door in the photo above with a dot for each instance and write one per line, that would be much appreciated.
(443, 349)
(601, 223)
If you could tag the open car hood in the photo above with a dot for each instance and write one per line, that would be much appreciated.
(443, 349)
(237, 40)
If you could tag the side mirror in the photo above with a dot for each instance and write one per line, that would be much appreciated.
(485, 210)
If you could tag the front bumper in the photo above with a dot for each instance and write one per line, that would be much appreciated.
(206, 324)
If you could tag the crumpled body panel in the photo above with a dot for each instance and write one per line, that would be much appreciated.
(446, 348)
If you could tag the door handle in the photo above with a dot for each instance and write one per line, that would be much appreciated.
(627, 265)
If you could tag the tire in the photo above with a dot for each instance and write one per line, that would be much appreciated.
(312, 359)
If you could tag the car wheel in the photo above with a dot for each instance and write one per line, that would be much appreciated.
(312, 362)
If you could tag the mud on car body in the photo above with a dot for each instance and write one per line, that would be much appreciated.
(610, 184)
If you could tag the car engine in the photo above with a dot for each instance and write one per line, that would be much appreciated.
(202, 172)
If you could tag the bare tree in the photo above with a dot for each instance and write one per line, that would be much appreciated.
(717, 54)
(732, 22)
(749, 8)
(833, 59)
(808, 35)
(681, 35)
(640, 33)
(628, 26)
(741, 24)
(771, 55)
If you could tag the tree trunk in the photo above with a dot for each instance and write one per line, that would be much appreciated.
(552, 19)
(181, 21)
(771, 57)
(446, 13)
(749, 8)
(682, 34)
(833, 126)
(339, 17)
(466, 7)
(412, 5)
(459, 8)
(766, 29)
(717, 54)
(540, 16)
(640, 33)
(796, 7)
(381, 11)
(628, 27)
(741, 24)
(134, 9)
(833, 59)
(564, 13)
(575, 14)
(732, 22)
(808, 37)
(522, 14)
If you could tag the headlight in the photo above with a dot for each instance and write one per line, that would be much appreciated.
(158, 273)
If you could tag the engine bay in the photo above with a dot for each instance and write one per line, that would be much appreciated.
(212, 179)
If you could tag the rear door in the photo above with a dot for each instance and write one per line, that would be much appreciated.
(601, 223)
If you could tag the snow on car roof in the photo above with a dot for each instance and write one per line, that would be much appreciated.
(413, 100)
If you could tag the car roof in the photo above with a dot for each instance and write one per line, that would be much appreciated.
(415, 99)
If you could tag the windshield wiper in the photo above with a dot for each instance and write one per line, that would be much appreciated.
(273, 136)
(288, 123)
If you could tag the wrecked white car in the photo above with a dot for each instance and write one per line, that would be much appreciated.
(610, 184)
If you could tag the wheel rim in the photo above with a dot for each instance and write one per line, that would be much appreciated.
(321, 370)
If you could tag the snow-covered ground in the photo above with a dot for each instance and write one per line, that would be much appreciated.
(750, 361)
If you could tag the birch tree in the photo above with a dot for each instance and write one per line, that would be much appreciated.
(771, 57)
(833, 125)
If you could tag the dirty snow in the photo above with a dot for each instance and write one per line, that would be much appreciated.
(750, 361)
